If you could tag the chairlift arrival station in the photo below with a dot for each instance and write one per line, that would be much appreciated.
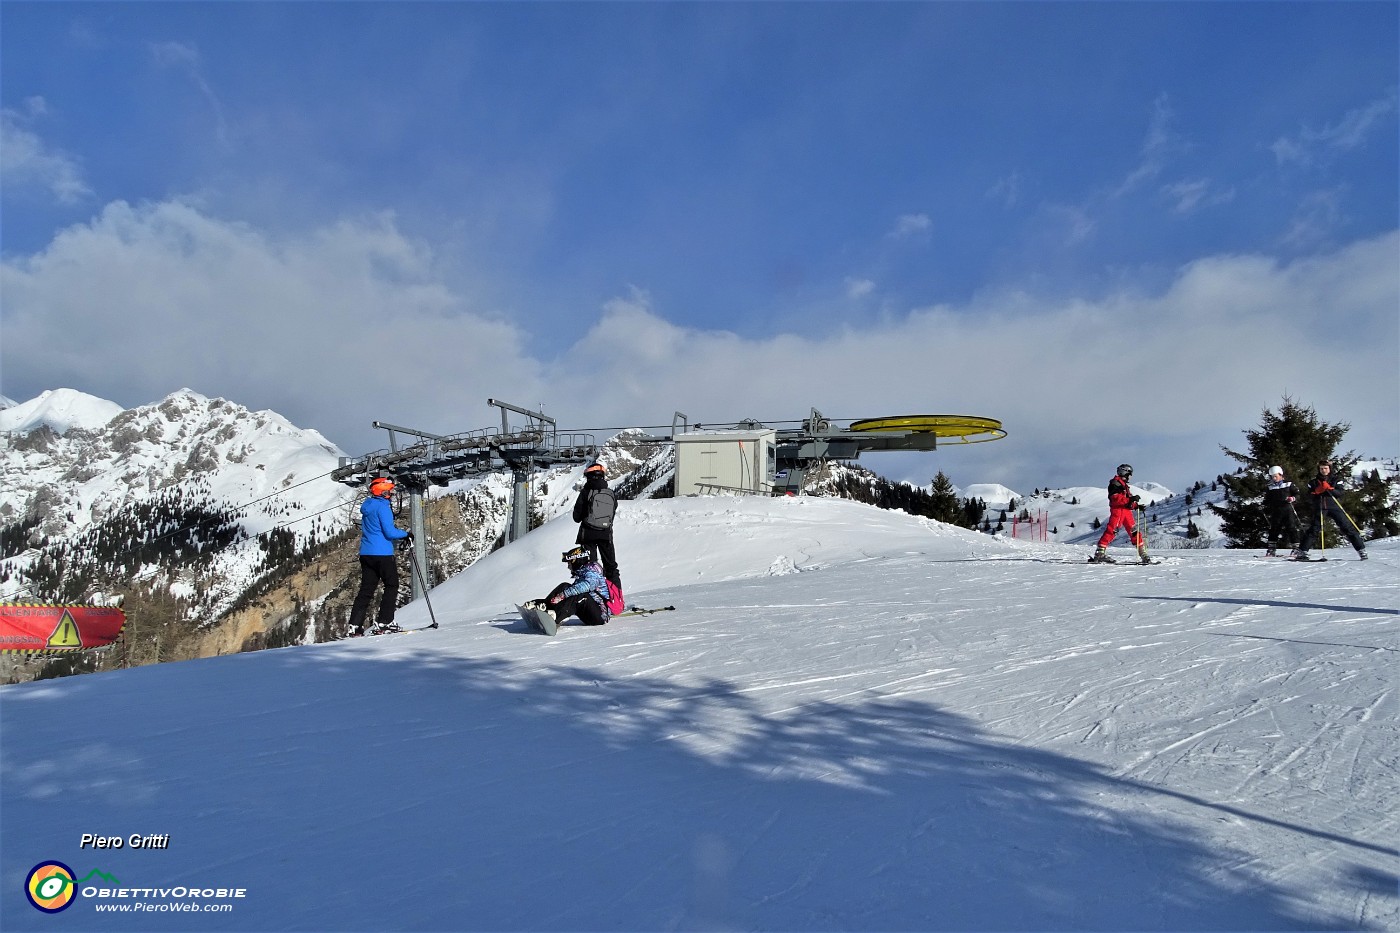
(745, 458)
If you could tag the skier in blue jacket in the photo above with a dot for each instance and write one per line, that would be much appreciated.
(377, 564)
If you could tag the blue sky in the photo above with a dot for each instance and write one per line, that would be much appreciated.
(1119, 227)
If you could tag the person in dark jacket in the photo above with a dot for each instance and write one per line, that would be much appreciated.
(1278, 508)
(377, 563)
(1323, 488)
(585, 596)
(1122, 502)
(594, 510)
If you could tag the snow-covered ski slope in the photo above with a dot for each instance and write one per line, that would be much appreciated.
(855, 720)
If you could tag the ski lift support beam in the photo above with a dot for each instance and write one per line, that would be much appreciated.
(438, 459)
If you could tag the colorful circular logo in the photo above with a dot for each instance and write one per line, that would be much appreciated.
(50, 887)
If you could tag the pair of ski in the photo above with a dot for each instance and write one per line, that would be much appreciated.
(396, 631)
(1128, 563)
(539, 618)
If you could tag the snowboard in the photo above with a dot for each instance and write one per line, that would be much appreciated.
(538, 619)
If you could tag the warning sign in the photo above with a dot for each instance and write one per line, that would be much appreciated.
(58, 628)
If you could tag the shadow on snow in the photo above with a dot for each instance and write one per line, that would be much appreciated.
(1231, 601)
(484, 796)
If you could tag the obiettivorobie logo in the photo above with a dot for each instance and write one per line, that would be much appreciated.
(52, 886)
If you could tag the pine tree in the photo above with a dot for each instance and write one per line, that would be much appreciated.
(944, 505)
(973, 512)
(1375, 507)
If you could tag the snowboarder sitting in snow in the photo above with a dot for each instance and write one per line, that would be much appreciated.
(377, 563)
(1324, 492)
(585, 596)
(1122, 501)
(1278, 507)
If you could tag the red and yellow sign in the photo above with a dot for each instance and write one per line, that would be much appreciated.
(58, 628)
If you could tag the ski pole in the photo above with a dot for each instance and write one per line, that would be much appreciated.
(413, 559)
(1322, 523)
(1354, 527)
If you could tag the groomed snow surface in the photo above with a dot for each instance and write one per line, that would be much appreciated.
(853, 720)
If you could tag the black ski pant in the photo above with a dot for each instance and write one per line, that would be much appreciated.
(376, 569)
(582, 605)
(603, 552)
(1342, 520)
(1283, 527)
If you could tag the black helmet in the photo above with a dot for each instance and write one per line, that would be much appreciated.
(1125, 470)
(576, 555)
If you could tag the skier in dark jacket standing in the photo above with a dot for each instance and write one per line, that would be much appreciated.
(594, 511)
(1323, 489)
(1278, 508)
(1122, 501)
(377, 564)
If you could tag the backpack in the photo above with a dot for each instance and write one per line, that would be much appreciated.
(602, 505)
(616, 602)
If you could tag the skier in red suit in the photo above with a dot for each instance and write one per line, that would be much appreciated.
(1122, 502)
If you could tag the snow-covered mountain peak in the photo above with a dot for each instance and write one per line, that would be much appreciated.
(205, 453)
(995, 495)
(60, 410)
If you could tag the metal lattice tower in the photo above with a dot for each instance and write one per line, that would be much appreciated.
(436, 460)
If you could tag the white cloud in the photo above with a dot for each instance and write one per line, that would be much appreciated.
(1159, 145)
(1350, 132)
(1070, 379)
(186, 58)
(859, 288)
(335, 328)
(1189, 196)
(28, 163)
(1007, 190)
(351, 323)
(1073, 381)
(1072, 224)
(910, 225)
(1314, 220)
